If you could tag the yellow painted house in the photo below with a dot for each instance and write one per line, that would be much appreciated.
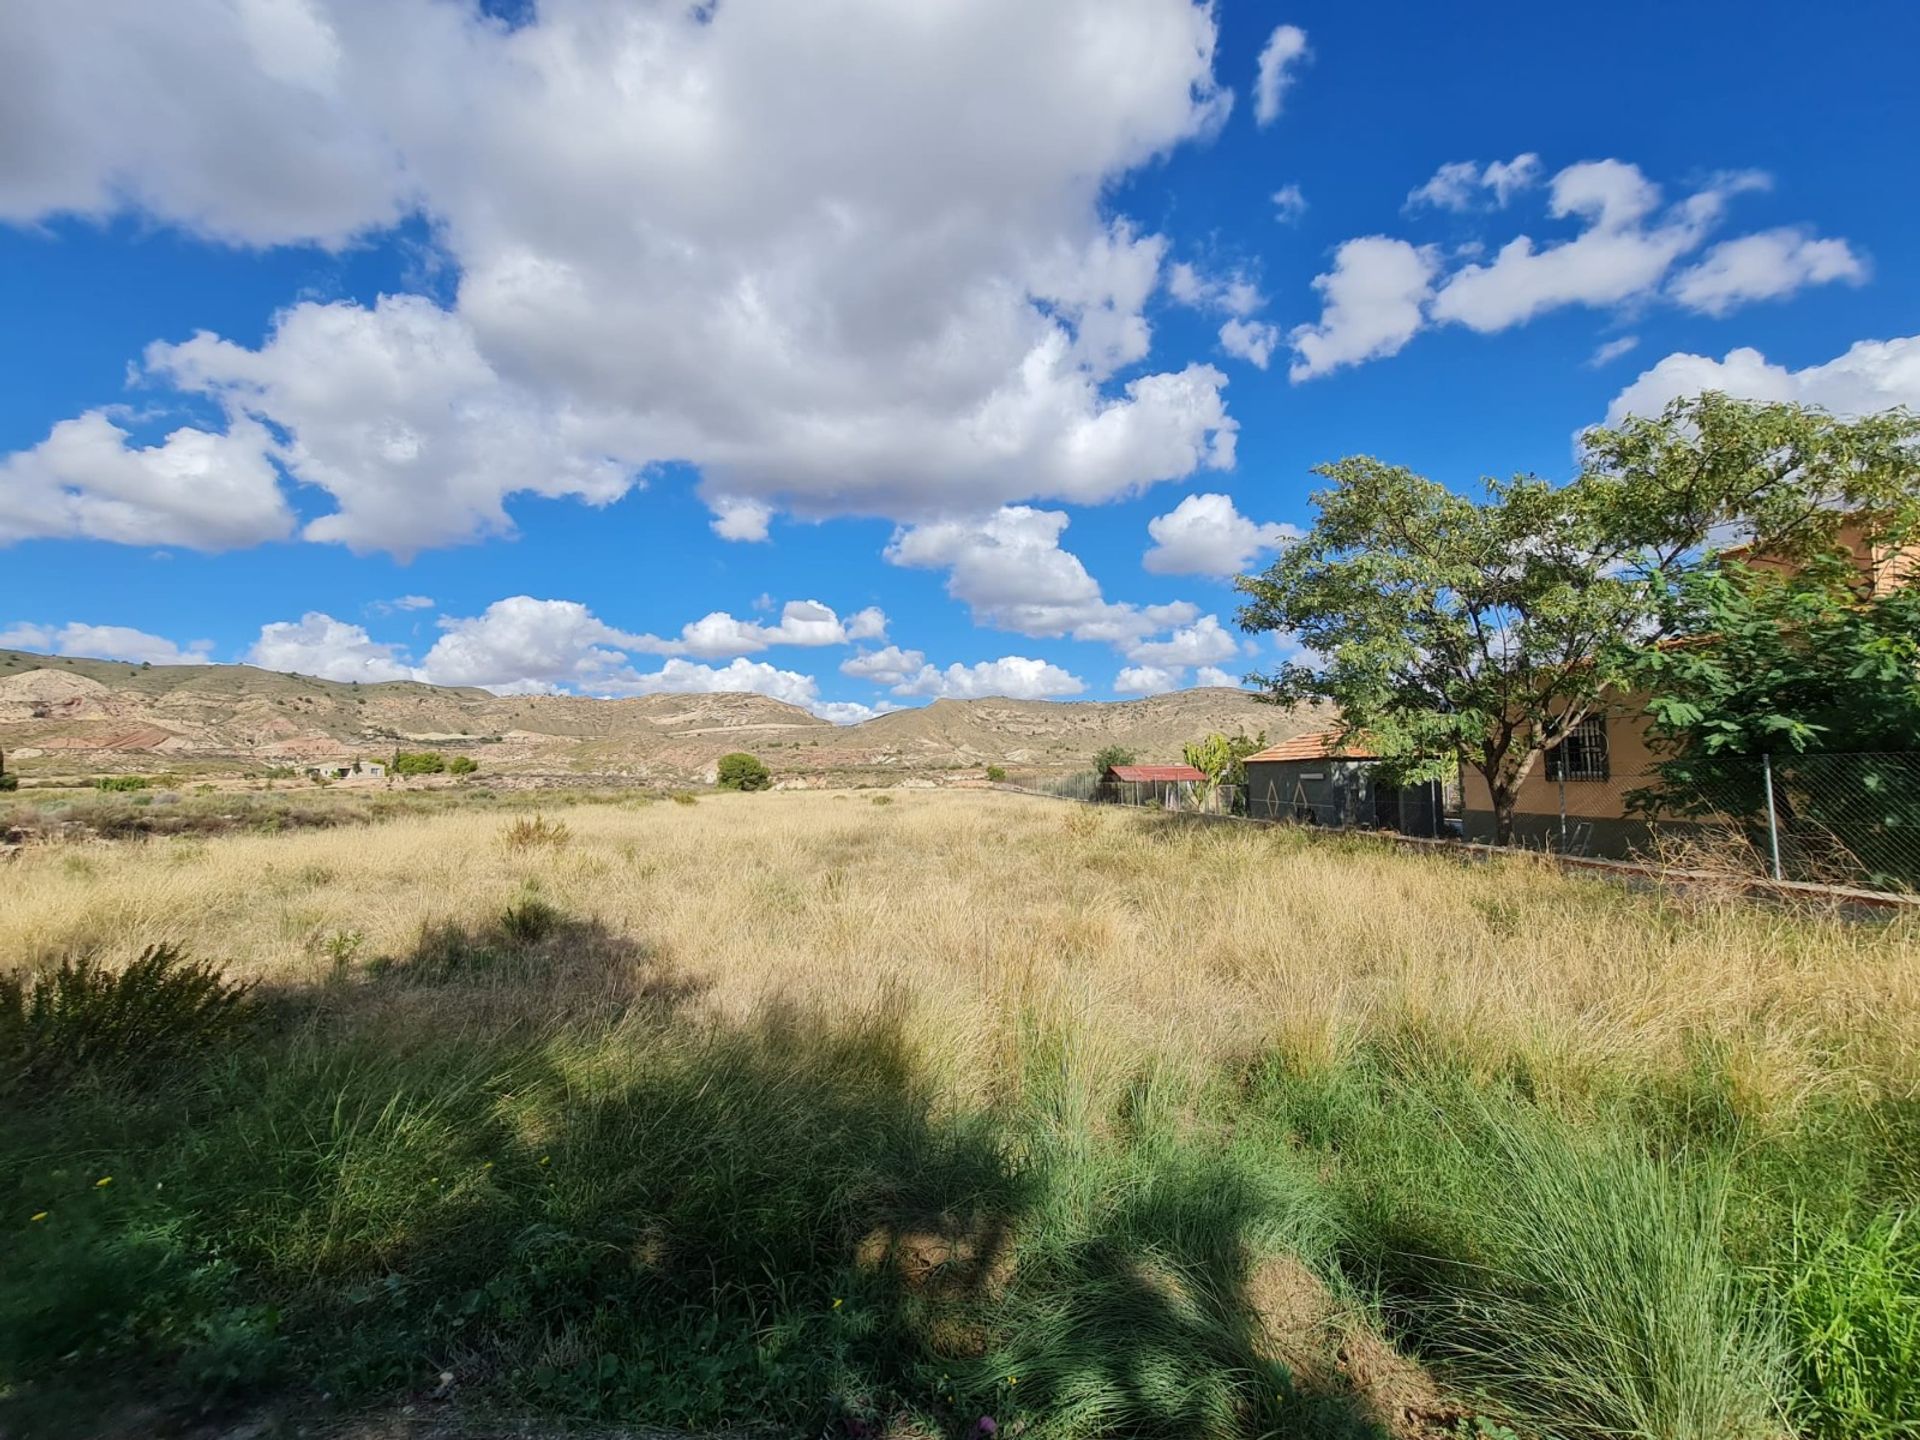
(1575, 797)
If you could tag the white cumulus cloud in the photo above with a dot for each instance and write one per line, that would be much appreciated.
(87, 481)
(1768, 266)
(1009, 570)
(736, 236)
(1207, 535)
(397, 415)
(1205, 642)
(1872, 375)
(105, 642)
(1629, 244)
(1012, 676)
(887, 666)
(1464, 185)
(317, 644)
(1373, 302)
(1253, 341)
(1286, 47)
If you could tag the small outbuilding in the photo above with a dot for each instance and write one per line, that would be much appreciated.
(1312, 780)
(1170, 787)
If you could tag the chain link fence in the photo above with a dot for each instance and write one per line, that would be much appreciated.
(1847, 820)
(1851, 820)
(1184, 797)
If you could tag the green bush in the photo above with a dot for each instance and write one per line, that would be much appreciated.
(684, 797)
(419, 762)
(9, 782)
(741, 771)
(529, 920)
(462, 765)
(996, 773)
(131, 1024)
(1853, 1316)
(121, 782)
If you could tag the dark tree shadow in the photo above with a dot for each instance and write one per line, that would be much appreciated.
(515, 1167)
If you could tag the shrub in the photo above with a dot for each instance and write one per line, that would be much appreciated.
(684, 797)
(462, 765)
(996, 773)
(534, 831)
(529, 920)
(883, 799)
(120, 782)
(1111, 755)
(9, 782)
(419, 762)
(132, 1023)
(1853, 1316)
(741, 771)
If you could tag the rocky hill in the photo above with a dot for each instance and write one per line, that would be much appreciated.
(65, 716)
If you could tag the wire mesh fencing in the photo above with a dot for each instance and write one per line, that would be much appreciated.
(1851, 820)
(1848, 820)
(1188, 797)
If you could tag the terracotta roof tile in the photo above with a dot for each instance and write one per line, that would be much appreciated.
(1316, 746)
(1140, 774)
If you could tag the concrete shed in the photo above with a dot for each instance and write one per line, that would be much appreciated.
(1313, 781)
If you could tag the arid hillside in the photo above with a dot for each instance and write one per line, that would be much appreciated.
(63, 716)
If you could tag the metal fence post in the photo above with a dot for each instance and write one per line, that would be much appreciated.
(1563, 807)
(1773, 820)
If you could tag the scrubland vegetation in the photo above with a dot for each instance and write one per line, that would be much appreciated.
(788, 1110)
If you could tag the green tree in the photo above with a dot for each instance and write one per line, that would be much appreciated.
(741, 771)
(418, 762)
(1477, 631)
(1108, 756)
(1784, 663)
(1222, 758)
(462, 765)
(996, 773)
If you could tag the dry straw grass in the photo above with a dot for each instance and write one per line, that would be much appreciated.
(1142, 936)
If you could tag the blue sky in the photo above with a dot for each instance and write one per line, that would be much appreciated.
(882, 351)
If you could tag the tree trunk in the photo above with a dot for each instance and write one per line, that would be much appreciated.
(1503, 803)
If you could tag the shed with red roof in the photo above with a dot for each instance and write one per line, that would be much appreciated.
(1318, 779)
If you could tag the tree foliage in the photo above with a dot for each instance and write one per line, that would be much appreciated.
(740, 771)
(1222, 758)
(1105, 758)
(1478, 631)
(1782, 664)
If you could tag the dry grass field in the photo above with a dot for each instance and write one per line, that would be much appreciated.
(887, 1111)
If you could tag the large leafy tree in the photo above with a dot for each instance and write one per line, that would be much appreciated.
(1478, 630)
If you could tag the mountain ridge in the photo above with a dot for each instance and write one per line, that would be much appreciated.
(77, 715)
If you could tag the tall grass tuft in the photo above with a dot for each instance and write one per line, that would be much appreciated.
(535, 832)
(130, 1024)
(1852, 1309)
(1601, 1299)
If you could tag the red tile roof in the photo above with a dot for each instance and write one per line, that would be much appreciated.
(1137, 774)
(1317, 746)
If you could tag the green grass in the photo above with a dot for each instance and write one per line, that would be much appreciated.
(470, 1158)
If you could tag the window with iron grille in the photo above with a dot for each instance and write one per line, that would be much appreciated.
(1582, 754)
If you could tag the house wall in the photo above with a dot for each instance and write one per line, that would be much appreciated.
(1339, 792)
(1597, 813)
